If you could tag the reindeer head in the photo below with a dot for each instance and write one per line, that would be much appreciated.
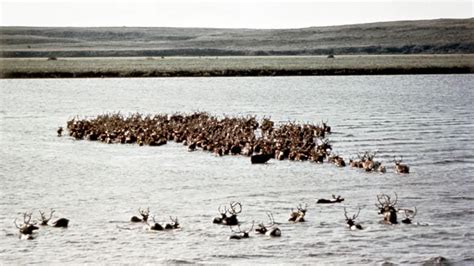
(240, 234)
(44, 220)
(409, 215)
(298, 215)
(154, 226)
(401, 168)
(27, 228)
(387, 208)
(223, 211)
(270, 229)
(144, 213)
(174, 223)
(351, 220)
(235, 208)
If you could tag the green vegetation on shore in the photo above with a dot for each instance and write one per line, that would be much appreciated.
(235, 66)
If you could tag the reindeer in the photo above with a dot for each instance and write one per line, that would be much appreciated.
(174, 224)
(387, 208)
(27, 229)
(351, 221)
(409, 215)
(220, 219)
(298, 215)
(228, 216)
(240, 234)
(144, 213)
(235, 208)
(369, 164)
(337, 160)
(61, 222)
(155, 226)
(44, 220)
(260, 158)
(401, 168)
(334, 199)
(270, 229)
(326, 128)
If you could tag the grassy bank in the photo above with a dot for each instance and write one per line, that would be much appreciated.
(235, 66)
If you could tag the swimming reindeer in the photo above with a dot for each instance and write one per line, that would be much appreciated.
(298, 215)
(409, 215)
(334, 199)
(144, 213)
(387, 208)
(44, 220)
(61, 222)
(154, 226)
(270, 229)
(174, 224)
(401, 168)
(351, 221)
(240, 234)
(27, 229)
(229, 216)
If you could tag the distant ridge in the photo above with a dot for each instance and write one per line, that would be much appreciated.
(439, 36)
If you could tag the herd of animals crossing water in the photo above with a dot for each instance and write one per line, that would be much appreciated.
(243, 136)
(227, 136)
(388, 208)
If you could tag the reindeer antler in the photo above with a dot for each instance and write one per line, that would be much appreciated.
(300, 207)
(233, 207)
(25, 215)
(175, 220)
(16, 225)
(251, 228)
(396, 199)
(143, 211)
(410, 214)
(345, 213)
(356, 215)
(270, 217)
(220, 210)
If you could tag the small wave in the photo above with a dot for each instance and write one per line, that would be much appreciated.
(178, 261)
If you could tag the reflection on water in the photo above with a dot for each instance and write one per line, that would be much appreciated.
(426, 119)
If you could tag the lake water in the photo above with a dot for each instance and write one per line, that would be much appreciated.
(427, 119)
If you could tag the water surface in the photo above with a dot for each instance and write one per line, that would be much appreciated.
(427, 119)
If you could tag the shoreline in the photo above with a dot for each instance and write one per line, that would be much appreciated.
(239, 66)
(242, 73)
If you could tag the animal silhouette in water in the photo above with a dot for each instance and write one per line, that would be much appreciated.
(351, 221)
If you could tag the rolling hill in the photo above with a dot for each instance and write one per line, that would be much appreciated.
(401, 37)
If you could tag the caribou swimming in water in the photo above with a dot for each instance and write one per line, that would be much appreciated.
(351, 221)
(334, 199)
(387, 208)
(229, 216)
(237, 235)
(401, 168)
(269, 229)
(27, 229)
(298, 215)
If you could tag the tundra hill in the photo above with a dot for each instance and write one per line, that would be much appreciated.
(400, 37)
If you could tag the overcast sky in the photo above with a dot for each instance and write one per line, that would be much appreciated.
(224, 13)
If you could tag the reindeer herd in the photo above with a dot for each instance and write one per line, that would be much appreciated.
(227, 136)
(28, 228)
(387, 207)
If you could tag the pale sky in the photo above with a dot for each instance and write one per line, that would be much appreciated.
(224, 13)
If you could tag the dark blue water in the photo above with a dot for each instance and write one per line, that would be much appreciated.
(427, 119)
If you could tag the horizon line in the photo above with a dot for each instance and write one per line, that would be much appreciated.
(241, 28)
